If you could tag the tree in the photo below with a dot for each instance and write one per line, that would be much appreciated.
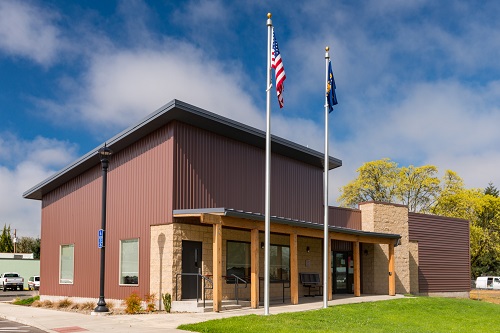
(376, 181)
(29, 245)
(383, 181)
(491, 190)
(418, 187)
(6, 245)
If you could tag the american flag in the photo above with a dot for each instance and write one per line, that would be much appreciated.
(279, 70)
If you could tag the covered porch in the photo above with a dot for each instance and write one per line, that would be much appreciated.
(221, 219)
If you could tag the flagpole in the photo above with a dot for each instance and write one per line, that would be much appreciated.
(267, 221)
(326, 238)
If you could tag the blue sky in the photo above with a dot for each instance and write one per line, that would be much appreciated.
(417, 81)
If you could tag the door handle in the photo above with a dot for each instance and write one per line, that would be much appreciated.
(195, 257)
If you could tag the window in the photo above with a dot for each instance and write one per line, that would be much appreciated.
(129, 261)
(237, 261)
(66, 267)
(279, 267)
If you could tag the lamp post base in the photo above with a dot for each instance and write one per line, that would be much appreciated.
(101, 306)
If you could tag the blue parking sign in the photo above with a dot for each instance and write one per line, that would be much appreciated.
(100, 238)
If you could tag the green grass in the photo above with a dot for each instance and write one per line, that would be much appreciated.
(419, 314)
(26, 301)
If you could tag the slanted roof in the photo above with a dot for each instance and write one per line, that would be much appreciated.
(280, 220)
(183, 112)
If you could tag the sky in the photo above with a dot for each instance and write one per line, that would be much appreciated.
(418, 81)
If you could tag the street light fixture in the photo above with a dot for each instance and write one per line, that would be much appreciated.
(104, 154)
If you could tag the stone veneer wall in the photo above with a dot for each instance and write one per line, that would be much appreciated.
(166, 258)
(388, 218)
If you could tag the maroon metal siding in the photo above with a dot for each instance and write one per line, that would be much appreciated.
(344, 217)
(139, 188)
(443, 252)
(215, 171)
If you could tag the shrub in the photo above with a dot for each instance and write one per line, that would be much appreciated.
(37, 304)
(150, 302)
(110, 305)
(26, 301)
(167, 302)
(64, 303)
(133, 303)
(87, 306)
(47, 304)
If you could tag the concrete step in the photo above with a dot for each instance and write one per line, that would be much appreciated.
(193, 306)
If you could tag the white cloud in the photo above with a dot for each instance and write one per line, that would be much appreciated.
(400, 90)
(34, 161)
(28, 31)
(121, 87)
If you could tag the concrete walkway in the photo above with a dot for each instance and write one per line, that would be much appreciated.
(65, 322)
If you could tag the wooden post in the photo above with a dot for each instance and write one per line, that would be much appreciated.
(392, 273)
(357, 275)
(294, 270)
(254, 264)
(217, 270)
(330, 280)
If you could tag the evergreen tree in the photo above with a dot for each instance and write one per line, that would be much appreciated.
(6, 245)
(491, 190)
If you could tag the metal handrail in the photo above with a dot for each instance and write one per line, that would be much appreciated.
(236, 286)
(204, 279)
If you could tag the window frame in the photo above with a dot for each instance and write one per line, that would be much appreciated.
(279, 279)
(69, 245)
(120, 263)
(248, 269)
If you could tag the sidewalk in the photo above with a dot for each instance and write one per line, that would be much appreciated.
(65, 322)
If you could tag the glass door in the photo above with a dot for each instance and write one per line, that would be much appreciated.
(342, 272)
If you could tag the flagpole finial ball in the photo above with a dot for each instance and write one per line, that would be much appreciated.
(269, 15)
(327, 49)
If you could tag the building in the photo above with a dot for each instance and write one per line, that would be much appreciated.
(185, 210)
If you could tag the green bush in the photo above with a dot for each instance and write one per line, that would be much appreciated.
(27, 301)
(167, 302)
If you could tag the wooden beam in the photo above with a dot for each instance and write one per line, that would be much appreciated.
(294, 270)
(210, 219)
(217, 269)
(357, 271)
(240, 223)
(392, 273)
(254, 264)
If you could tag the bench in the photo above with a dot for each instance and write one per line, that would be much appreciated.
(311, 280)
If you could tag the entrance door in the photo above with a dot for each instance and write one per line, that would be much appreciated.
(342, 272)
(191, 263)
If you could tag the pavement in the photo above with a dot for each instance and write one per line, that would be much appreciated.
(50, 320)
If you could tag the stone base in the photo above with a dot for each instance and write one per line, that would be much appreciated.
(453, 294)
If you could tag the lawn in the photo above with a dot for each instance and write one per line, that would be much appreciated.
(412, 314)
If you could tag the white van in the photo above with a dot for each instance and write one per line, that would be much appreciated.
(488, 282)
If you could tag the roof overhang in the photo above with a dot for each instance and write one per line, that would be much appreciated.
(183, 112)
(190, 213)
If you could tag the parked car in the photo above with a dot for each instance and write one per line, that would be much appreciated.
(11, 280)
(34, 283)
(488, 282)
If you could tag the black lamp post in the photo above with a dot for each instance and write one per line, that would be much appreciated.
(104, 154)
